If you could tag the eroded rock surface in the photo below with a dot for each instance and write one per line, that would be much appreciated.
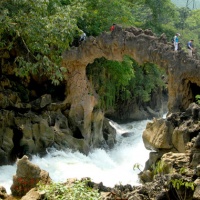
(32, 127)
(173, 133)
(143, 46)
(27, 176)
(28, 127)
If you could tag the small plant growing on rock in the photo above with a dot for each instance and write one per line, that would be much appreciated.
(162, 168)
(197, 98)
(182, 170)
(137, 166)
(78, 190)
(181, 185)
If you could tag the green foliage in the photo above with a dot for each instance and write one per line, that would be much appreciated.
(109, 78)
(162, 168)
(127, 80)
(177, 183)
(197, 98)
(183, 14)
(147, 78)
(182, 170)
(137, 166)
(181, 185)
(162, 12)
(43, 29)
(78, 190)
(103, 13)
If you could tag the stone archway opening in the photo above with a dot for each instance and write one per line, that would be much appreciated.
(77, 134)
(141, 45)
(141, 97)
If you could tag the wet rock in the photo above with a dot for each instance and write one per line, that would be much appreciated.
(27, 176)
(127, 134)
(3, 193)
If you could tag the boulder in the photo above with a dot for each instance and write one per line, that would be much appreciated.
(27, 176)
(158, 135)
(3, 193)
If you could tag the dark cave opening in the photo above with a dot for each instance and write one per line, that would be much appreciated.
(39, 89)
(195, 91)
(17, 151)
(77, 133)
(194, 134)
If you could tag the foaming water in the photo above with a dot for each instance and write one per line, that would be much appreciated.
(107, 166)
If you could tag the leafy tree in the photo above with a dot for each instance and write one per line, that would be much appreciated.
(147, 79)
(123, 81)
(183, 14)
(109, 78)
(43, 29)
(191, 30)
(101, 14)
(162, 13)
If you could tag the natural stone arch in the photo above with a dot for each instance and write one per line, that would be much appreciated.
(143, 46)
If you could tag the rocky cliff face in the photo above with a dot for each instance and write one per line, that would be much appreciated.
(175, 142)
(28, 125)
(27, 128)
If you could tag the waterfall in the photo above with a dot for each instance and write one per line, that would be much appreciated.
(110, 167)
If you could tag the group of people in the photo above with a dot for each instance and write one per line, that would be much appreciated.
(190, 47)
(83, 35)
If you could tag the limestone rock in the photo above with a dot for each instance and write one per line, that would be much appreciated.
(196, 195)
(41, 102)
(158, 135)
(33, 194)
(109, 133)
(3, 194)
(143, 46)
(173, 133)
(27, 176)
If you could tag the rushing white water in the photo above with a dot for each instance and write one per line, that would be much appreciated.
(109, 167)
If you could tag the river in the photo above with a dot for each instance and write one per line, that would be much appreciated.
(107, 166)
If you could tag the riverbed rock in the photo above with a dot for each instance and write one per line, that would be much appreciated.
(33, 194)
(173, 133)
(3, 193)
(27, 176)
(158, 135)
(183, 159)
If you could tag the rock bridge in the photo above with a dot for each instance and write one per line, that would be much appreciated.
(143, 46)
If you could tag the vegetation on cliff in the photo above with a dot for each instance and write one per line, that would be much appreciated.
(123, 81)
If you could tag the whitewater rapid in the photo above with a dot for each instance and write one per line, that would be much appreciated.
(107, 166)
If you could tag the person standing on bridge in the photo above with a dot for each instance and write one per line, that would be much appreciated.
(112, 27)
(176, 41)
(190, 47)
(82, 37)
